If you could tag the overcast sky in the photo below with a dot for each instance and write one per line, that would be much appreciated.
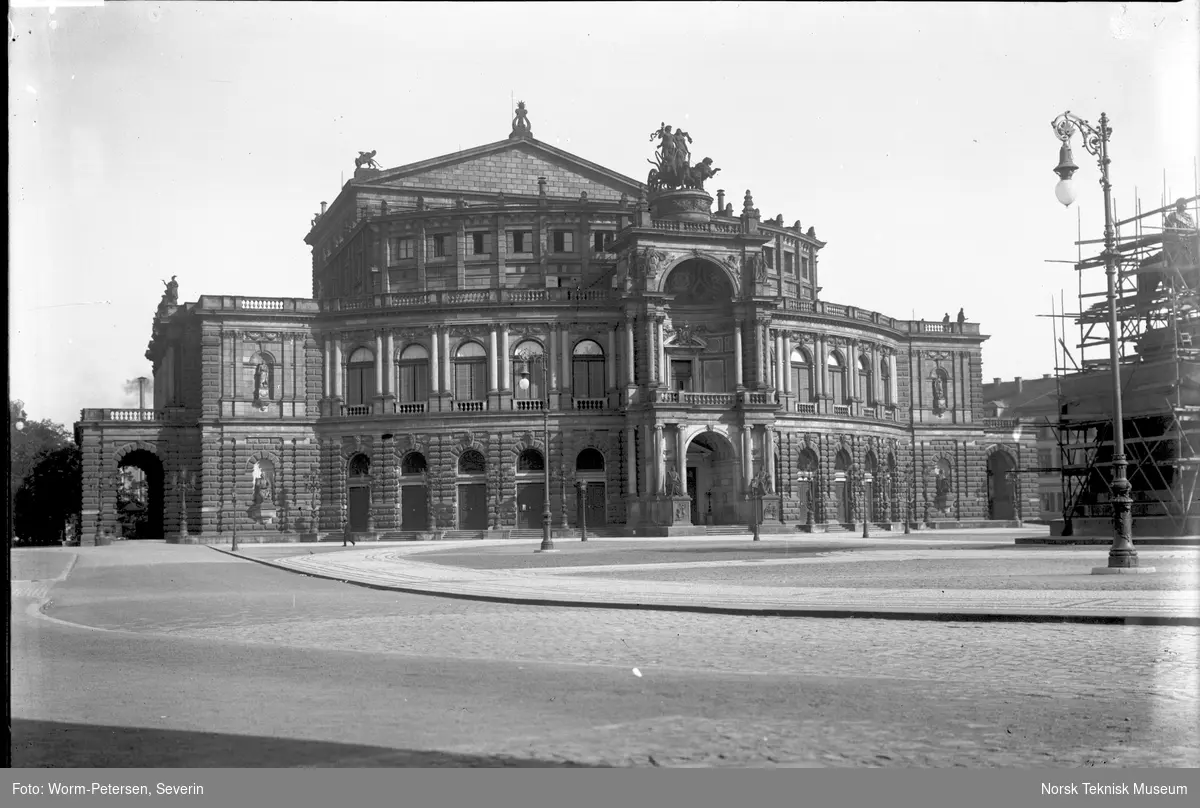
(198, 139)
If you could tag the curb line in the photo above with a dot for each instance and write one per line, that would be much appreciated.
(749, 611)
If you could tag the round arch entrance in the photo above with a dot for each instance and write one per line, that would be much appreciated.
(712, 480)
(140, 496)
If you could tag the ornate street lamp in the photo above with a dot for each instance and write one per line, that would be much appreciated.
(235, 516)
(1122, 555)
(757, 486)
(867, 507)
(547, 545)
(581, 507)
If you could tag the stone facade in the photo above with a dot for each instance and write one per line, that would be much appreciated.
(478, 314)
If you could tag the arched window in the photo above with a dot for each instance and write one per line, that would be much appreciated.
(587, 370)
(471, 462)
(864, 380)
(413, 463)
(589, 460)
(360, 378)
(801, 375)
(529, 371)
(531, 460)
(885, 378)
(470, 372)
(360, 465)
(412, 369)
(837, 378)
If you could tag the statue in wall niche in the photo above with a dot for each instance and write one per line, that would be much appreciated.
(262, 384)
(939, 394)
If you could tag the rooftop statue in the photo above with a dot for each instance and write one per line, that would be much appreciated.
(171, 295)
(366, 159)
(520, 124)
(673, 162)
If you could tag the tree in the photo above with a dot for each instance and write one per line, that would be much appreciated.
(50, 497)
(29, 443)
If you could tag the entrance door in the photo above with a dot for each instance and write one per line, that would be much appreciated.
(414, 508)
(530, 501)
(842, 491)
(472, 507)
(360, 504)
(594, 504)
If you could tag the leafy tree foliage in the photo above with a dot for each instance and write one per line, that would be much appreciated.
(32, 444)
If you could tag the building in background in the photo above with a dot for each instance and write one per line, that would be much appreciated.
(679, 358)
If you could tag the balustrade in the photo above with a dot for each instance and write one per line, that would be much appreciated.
(530, 404)
(408, 407)
(470, 406)
(841, 409)
(590, 403)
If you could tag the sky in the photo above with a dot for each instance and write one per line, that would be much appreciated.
(198, 139)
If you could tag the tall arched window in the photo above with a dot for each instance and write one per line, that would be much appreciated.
(412, 370)
(837, 378)
(885, 378)
(801, 375)
(470, 372)
(587, 370)
(864, 380)
(529, 371)
(360, 378)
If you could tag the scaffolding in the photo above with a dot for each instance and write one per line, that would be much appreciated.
(1157, 287)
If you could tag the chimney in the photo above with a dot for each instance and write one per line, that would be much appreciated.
(323, 205)
(720, 201)
(995, 380)
(1017, 379)
(1045, 375)
(541, 186)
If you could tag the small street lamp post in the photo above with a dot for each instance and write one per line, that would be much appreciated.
(581, 508)
(235, 516)
(524, 383)
(756, 497)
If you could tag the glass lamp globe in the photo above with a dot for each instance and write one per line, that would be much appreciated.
(523, 382)
(1065, 192)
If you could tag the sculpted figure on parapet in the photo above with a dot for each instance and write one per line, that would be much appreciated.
(366, 159)
(520, 123)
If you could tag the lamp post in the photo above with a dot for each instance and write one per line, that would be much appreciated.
(756, 495)
(1122, 555)
(547, 545)
(867, 506)
(235, 515)
(581, 507)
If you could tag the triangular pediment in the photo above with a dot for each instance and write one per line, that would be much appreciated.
(510, 168)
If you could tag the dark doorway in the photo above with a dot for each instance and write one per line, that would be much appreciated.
(530, 502)
(594, 505)
(472, 506)
(414, 507)
(1001, 499)
(140, 496)
(360, 506)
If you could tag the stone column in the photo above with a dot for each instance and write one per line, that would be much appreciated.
(651, 353)
(780, 364)
(769, 454)
(876, 377)
(629, 366)
(551, 359)
(662, 352)
(378, 364)
(610, 364)
(327, 350)
(337, 366)
(892, 379)
(564, 347)
(447, 376)
(747, 456)
(738, 375)
(852, 369)
(492, 361)
(787, 363)
(630, 463)
(681, 459)
(505, 359)
(820, 366)
(659, 460)
(435, 363)
(389, 369)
